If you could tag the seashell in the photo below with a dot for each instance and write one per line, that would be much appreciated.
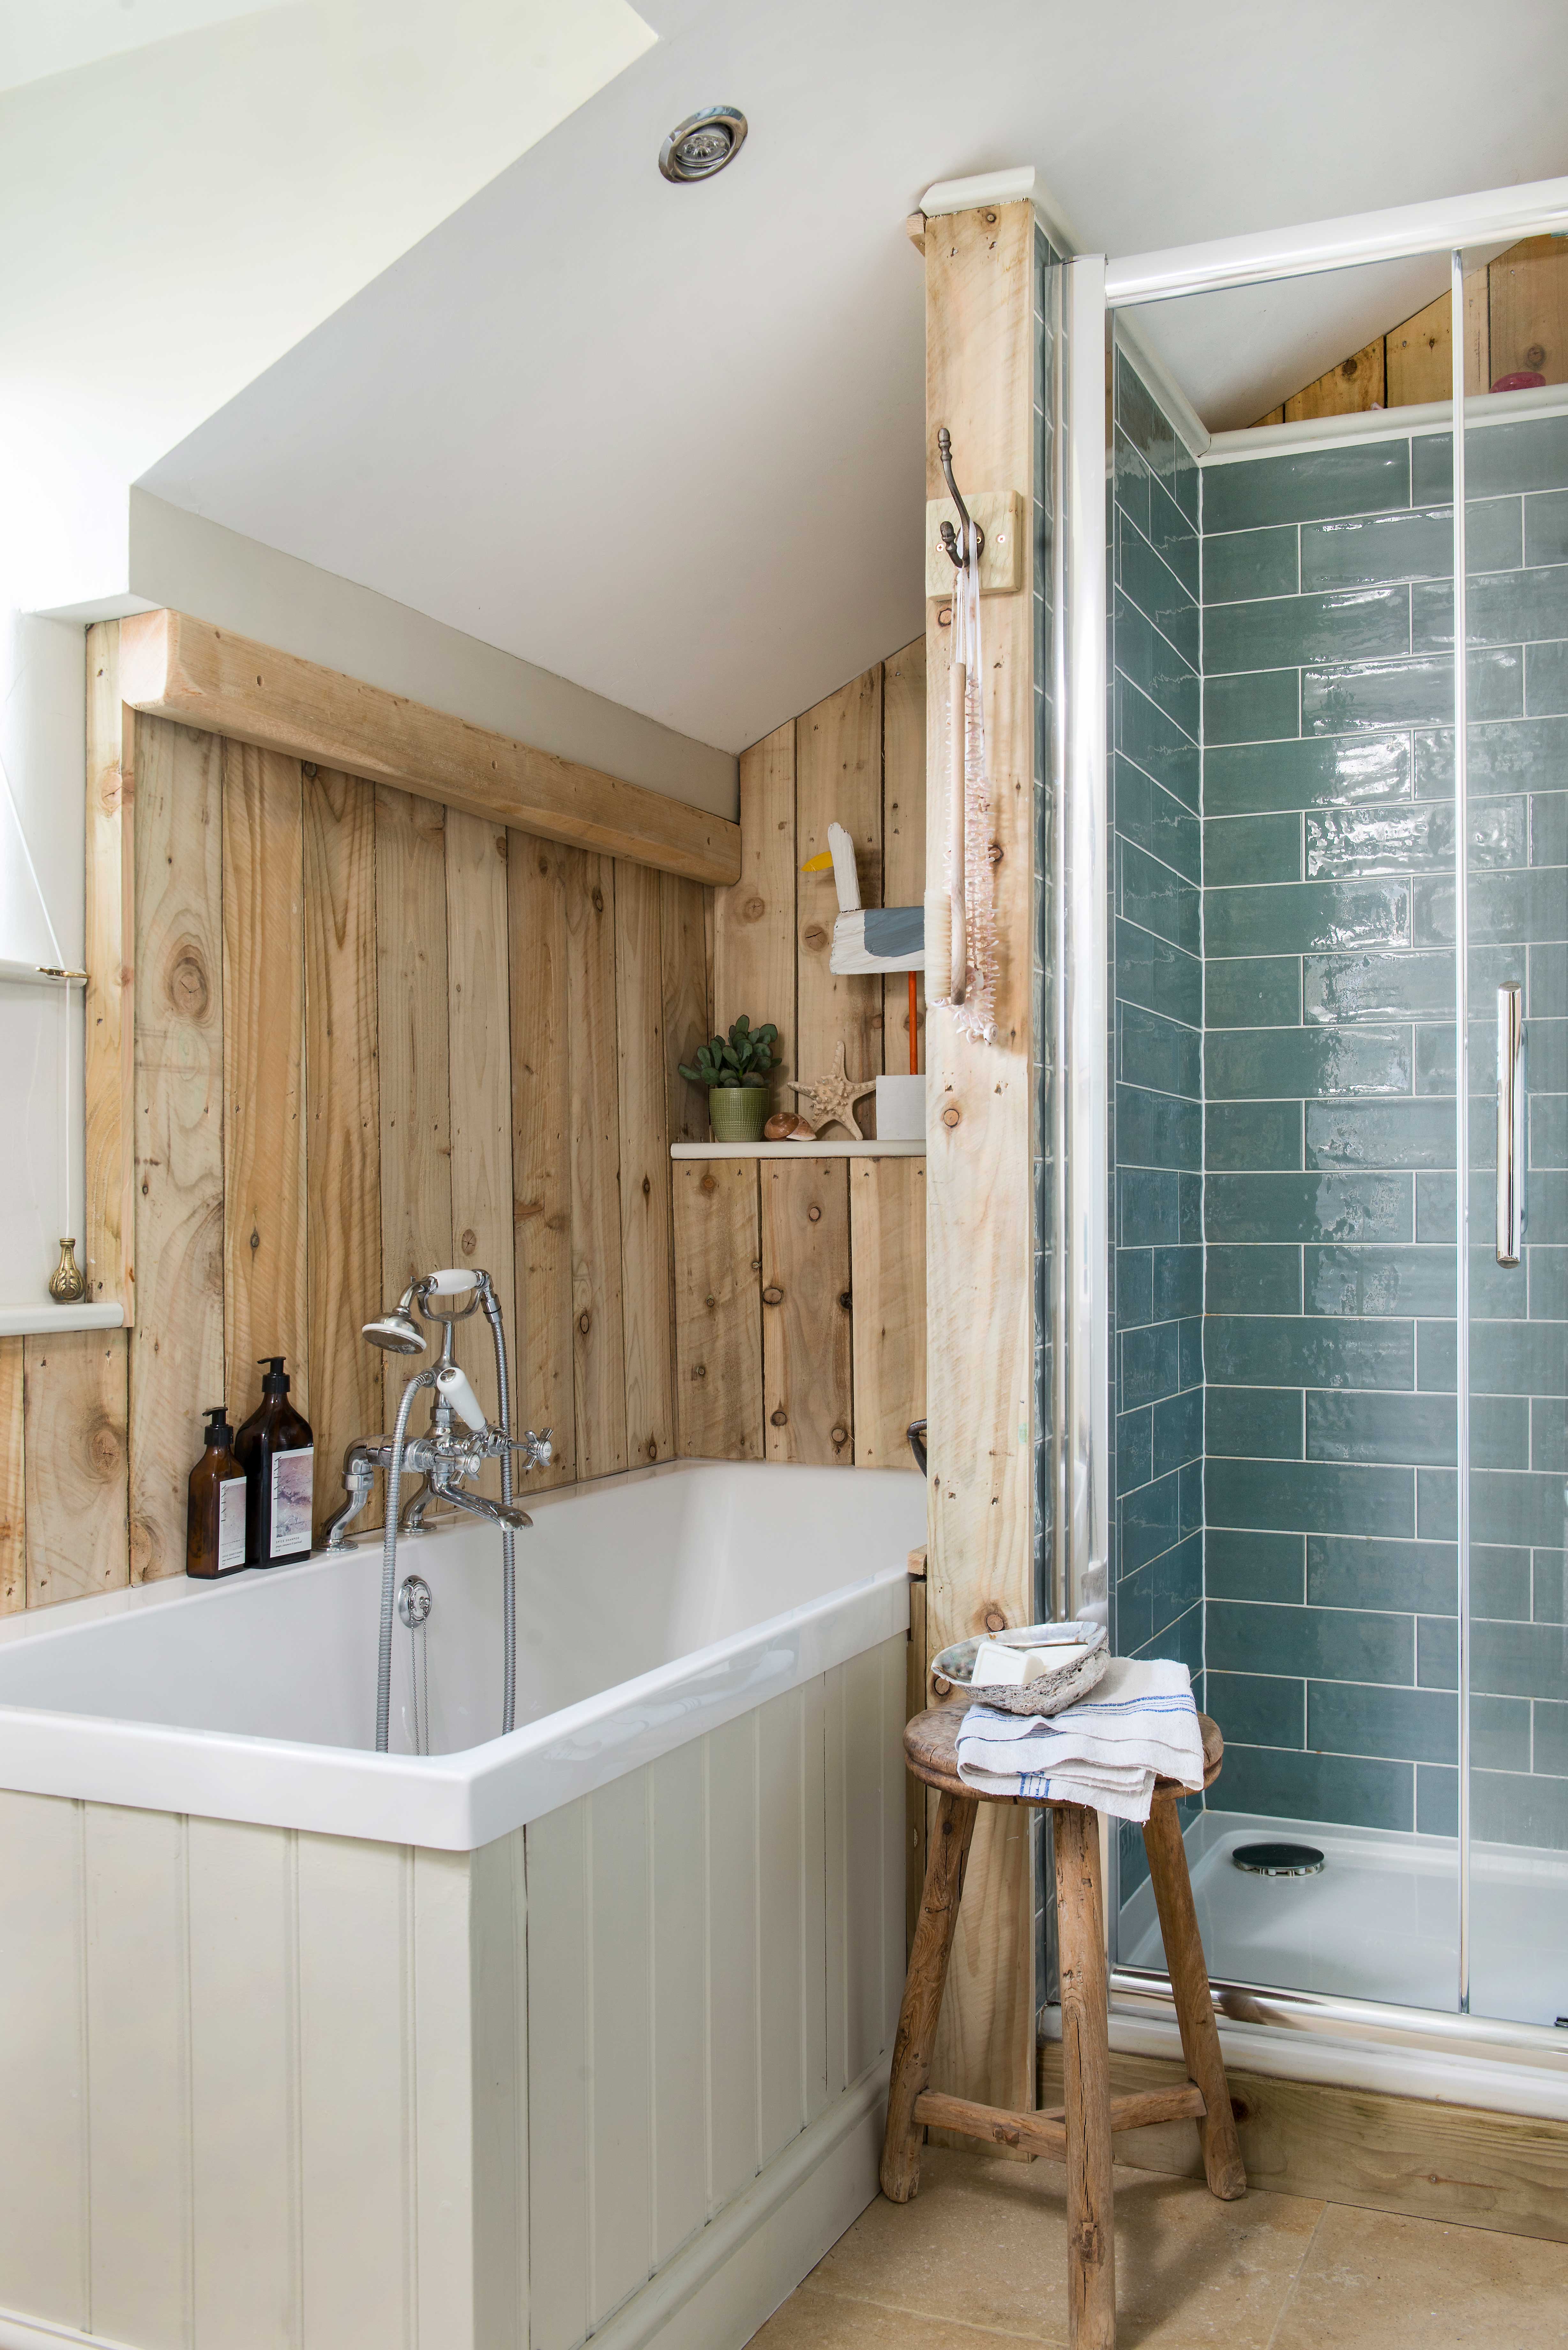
(785, 1127)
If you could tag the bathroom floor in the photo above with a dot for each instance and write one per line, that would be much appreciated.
(980, 2257)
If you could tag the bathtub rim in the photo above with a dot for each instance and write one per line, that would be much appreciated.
(454, 1803)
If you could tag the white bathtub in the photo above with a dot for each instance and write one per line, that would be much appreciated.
(582, 2031)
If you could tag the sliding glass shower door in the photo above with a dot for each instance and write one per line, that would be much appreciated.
(1509, 1804)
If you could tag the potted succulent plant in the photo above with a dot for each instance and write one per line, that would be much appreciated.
(735, 1072)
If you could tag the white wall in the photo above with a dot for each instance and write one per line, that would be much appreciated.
(42, 741)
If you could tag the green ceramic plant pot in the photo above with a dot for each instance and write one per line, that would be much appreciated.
(737, 1112)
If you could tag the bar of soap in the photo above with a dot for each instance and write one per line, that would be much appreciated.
(997, 1666)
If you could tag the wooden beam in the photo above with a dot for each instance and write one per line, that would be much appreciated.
(175, 667)
(980, 377)
(753, 922)
(108, 1069)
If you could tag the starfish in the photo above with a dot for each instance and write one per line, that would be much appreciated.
(829, 1101)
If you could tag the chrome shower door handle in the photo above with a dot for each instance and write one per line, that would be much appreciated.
(1511, 1122)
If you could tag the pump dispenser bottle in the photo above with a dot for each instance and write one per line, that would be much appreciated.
(274, 1449)
(215, 1521)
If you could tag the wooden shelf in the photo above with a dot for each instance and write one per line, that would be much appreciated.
(797, 1151)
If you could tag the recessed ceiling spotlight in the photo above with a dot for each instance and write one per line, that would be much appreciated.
(703, 143)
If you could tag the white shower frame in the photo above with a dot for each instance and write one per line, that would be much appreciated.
(1101, 290)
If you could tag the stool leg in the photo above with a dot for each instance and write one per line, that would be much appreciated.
(1087, 2081)
(923, 1987)
(1194, 2005)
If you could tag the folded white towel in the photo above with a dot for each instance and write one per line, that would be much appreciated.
(1140, 1724)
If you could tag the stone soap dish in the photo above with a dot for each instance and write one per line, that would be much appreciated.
(1086, 1653)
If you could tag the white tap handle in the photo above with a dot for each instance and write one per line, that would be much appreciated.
(456, 1391)
(454, 1281)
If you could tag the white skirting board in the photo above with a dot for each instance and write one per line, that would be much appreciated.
(729, 2281)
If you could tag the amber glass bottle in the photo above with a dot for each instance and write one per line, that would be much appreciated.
(215, 1521)
(275, 1449)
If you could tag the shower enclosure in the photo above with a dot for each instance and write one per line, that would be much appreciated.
(1301, 1184)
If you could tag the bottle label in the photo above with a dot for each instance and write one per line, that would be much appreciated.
(292, 1482)
(231, 1523)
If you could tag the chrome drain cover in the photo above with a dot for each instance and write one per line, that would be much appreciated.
(1277, 1860)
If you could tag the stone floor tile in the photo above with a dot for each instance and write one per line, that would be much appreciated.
(1378, 2281)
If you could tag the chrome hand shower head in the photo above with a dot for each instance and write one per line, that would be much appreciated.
(397, 1333)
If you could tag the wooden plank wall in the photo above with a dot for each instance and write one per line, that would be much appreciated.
(1516, 320)
(371, 1036)
(800, 1285)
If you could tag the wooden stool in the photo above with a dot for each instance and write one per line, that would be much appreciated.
(1080, 2133)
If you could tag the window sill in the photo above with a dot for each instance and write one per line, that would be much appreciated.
(31, 1321)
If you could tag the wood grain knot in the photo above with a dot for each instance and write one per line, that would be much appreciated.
(845, 1298)
(995, 1621)
(583, 1320)
(754, 909)
(840, 1436)
(650, 1449)
(468, 1242)
(994, 852)
(646, 1188)
(780, 1418)
(951, 1116)
(185, 983)
(772, 1296)
(814, 935)
(707, 1184)
(700, 1370)
(814, 1215)
(598, 898)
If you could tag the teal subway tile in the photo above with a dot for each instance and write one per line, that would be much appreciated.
(1307, 488)
(1141, 417)
(1438, 1801)
(1500, 1433)
(1130, 484)
(1239, 1135)
(1147, 1207)
(1158, 822)
(1546, 679)
(1417, 545)
(1367, 1278)
(1255, 1423)
(1182, 1642)
(1386, 1133)
(1310, 1351)
(1501, 1732)
(1135, 1448)
(1157, 1129)
(1243, 1566)
(1310, 1207)
(1549, 1130)
(1351, 1790)
(1437, 1652)
(1149, 1364)
(1135, 1288)
(1147, 657)
(1178, 1283)
(1506, 909)
(1173, 533)
(1519, 1358)
(1520, 1659)
(1262, 1064)
(1327, 771)
(1548, 1278)
(1501, 1582)
(1152, 740)
(1360, 1718)
(1416, 839)
(1238, 849)
(1407, 1578)
(1242, 562)
(1374, 984)
(1159, 1053)
(1549, 828)
(1258, 706)
(1191, 1340)
(1419, 692)
(1546, 526)
(1178, 1431)
(1257, 1708)
(1338, 1644)
(1147, 1524)
(1301, 916)
(1435, 1210)
(1548, 1588)
(1153, 972)
(1437, 1519)
(1417, 1430)
(1252, 991)
(1519, 1506)
(1506, 608)
(1546, 992)
(1356, 624)
(1531, 454)
(1547, 1432)
(1147, 582)
(1158, 899)
(1255, 1279)
(1551, 1740)
(1513, 1808)
(1514, 754)
(1328, 1497)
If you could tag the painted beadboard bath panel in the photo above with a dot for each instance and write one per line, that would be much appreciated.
(277, 2090)
(715, 1953)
